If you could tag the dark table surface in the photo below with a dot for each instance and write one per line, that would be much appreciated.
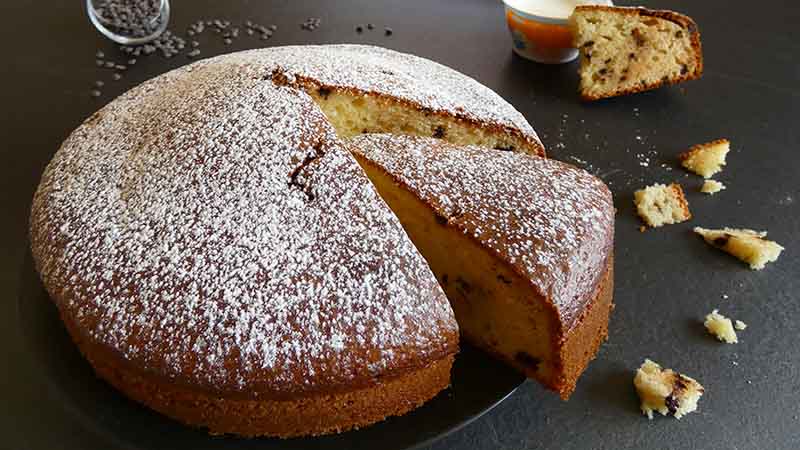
(667, 279)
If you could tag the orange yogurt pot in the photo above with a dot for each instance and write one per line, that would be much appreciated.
(539, 28)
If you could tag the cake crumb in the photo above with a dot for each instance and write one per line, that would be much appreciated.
(642, 228)
(661, 205)
(721, 327)
(706, 159)
(747, 245)
(712, 187)
(739, 325)
(666, 391)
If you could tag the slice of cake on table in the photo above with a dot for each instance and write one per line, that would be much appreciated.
(628, 50)
(522, 245)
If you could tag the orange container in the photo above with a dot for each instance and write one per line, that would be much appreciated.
(539, 37)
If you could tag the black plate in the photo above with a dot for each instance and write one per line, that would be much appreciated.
(479, 383)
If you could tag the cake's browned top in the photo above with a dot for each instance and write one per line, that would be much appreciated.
(210, 228)
(552, 222)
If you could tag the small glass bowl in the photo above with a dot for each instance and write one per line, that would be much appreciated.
(160, 22)
(540, 38)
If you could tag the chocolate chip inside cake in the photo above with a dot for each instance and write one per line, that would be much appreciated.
(525, 260)
(666, 391)
(627, 50)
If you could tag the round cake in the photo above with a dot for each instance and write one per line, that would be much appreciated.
(217, 254)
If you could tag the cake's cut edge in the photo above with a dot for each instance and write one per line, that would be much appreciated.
(686, 73)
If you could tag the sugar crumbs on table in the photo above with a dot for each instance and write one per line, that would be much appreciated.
(193, 53)
(95, 93)
(227, 41)
(116, 77)
(370, 26)
(99, 83)
(99, 63)
(109, 65)
(100, 55)
(132, 61)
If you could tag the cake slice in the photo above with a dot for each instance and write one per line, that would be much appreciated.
(661, 204)
(666, 391)
(628, 50)
(750, 246)
(521, 245)
(706, 159)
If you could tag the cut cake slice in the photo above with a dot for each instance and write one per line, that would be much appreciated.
(627, 50)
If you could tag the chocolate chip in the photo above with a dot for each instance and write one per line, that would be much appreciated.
(324, 92)
(527, 360)
(359, 29)
(684, 69)
(463, 285)
(679, 34)
(388, 31)
(370, 26)
(672, 404)
(503, 279)
(588, 43)
(638, 37)
(441, 220)
(721, 241)
(603, 71)
(438, 132)
(505, 148)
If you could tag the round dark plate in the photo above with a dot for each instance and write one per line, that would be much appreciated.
(478, 384)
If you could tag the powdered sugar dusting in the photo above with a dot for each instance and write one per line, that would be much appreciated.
(430, 85)
(208, 226)
(552, 221)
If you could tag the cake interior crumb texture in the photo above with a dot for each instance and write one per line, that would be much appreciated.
(706, 159)
(712, 187)
(661, 204)
(487, 239)
(666, 391)
(721, 327)
(628, 50)
(750, 246)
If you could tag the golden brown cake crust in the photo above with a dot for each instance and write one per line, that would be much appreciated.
(680, 19)
(315, 414)
(693, 150)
